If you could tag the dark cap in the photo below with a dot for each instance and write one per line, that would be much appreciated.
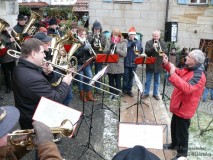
(42, 37)
(9, 116)
(97, 25)
(21, 17)
(135, 153)
(53, 21)
(74, 25)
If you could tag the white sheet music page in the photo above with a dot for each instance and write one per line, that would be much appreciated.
(138, 82)
(98, 75)
(53, 113)
(149, 136)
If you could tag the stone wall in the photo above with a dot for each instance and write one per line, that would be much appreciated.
(151, 14)
(8, 11)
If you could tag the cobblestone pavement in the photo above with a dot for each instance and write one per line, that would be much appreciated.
(103, 140)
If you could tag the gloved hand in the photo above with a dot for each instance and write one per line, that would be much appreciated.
(43, 133)
(87, 46)
(133, 44)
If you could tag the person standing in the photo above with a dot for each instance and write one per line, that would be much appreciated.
(134, 48)
(188, 85)
(8, 63)
(209, 82)
(54, 28)
(152, 49)
(19, 27)
(83, 55)
(116, 45)
(98, 41)
(29, 87)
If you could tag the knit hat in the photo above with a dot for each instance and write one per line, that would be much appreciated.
(132, 30)
(53, 21)
(9, 116)
(97, 25)
(135, 153)
(42, 37)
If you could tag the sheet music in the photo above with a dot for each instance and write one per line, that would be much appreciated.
(149, 136)
(138, 82)
(53, 113)
(98, 75)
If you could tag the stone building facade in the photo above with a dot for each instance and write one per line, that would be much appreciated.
(195, 22)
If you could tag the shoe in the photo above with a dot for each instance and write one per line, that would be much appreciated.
(156, 97)
(1, 98)
(130, 94)
(8, 90)
(144, 96)
(204, 100)
(168, 146)
(124, 92)
(111, 97)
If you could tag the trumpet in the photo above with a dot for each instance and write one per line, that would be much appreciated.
(158, 48)
(16, 54)
(64, 130)
(97, 42)
(137, 52)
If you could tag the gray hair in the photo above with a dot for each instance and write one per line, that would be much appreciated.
(156, 32)
(198, 56)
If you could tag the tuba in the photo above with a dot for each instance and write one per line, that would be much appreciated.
(29, 28)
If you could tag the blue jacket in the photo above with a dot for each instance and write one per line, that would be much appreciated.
(130, 57)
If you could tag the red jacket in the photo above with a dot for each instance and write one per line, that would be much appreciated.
(188, 85)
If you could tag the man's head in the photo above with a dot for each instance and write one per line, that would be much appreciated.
(156, 35)
(21, 19)
(96, 27)
(195, 57)
(132, 33)
(74, 27)
(53, 23)
(33, 51)
(9, 117)
(44, 38)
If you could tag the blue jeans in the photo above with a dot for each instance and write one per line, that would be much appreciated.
(69, 97)
(205, 93)
(128, 78)
(98, 67)
(148, 83)
(88, 73)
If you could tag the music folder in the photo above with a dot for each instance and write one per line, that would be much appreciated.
(107, 58)
(144, 60)
(53, 113)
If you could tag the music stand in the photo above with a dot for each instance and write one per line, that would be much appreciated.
(106, 58)
(142, 60)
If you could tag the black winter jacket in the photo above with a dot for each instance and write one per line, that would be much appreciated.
(29, 85)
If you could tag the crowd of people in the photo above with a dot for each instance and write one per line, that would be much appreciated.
(37, 53)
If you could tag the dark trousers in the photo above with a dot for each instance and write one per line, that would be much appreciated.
(180, 134)
(128, 78)
(115, 81)
(98, 67)
(8, 71)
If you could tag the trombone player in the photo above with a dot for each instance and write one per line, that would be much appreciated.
(98, 41)
(47, 150)
(154, 48)
(29, 87)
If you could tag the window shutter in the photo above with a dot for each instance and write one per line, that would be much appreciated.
(138, 1)
(182, 1)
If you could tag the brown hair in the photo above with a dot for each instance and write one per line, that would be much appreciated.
(81, 29)
(30, 45)
(117, 32)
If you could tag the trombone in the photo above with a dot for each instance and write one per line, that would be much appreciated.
(64, 130)
(16, 54)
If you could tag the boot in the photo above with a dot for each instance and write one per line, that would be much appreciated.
(89, 96)
(82, 97)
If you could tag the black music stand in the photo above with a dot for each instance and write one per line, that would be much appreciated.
(164, 86)
(106, 58)
(142, 60)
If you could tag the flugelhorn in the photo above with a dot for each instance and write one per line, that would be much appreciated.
(17, 55)
(16, 137)
(158, 48)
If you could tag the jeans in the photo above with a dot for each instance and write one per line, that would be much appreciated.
(128, 78)
(69, 97)
(205, 93)
(88, 73)
(98, 67)
(114, 81)
(148, 82)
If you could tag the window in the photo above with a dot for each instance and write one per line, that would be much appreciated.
(197, 2)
